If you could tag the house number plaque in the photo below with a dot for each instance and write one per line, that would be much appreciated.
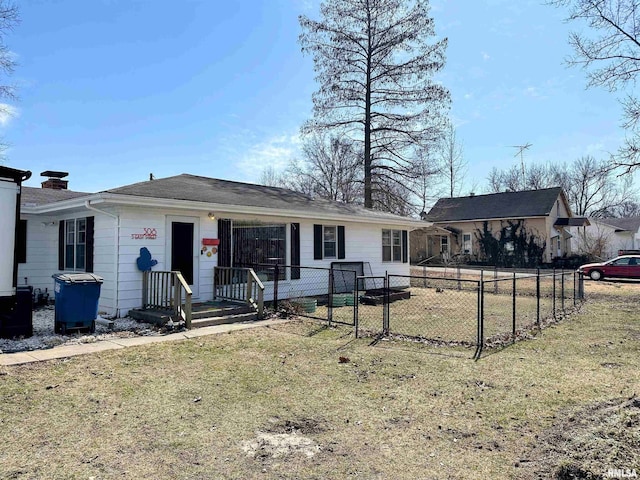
(147, 234)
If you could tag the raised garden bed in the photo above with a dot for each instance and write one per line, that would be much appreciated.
(376, 296)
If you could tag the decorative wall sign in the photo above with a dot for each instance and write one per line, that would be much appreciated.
(144, 261)
(147, 234)
(212, 242)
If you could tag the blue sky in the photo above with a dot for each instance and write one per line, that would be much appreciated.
(113, 90)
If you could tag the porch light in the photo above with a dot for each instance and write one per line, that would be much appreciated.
(211, 216)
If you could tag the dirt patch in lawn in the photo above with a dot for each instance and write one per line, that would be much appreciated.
(588, 443)
(284, 438)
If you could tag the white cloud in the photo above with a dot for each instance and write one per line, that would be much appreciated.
(485, 56)
(7, 113)
(275, 152)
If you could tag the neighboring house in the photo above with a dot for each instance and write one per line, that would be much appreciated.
(604, 237)
(192, 224)
(458, 223)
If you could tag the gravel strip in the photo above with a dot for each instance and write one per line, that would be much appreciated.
(44, 336)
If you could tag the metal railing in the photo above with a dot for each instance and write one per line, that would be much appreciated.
(167, 291)
(239, 285)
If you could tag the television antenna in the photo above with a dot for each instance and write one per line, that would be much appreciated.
(521, 149)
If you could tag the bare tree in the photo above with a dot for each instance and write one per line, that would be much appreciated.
(594, 241)
(506, 180)
(611, 58)
(589, 184)
(428, 172)
(374, 65)
(8, 19)
(330, 169)
(454, 167)
(272, 177)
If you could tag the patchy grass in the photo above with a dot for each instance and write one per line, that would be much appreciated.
(303, 401)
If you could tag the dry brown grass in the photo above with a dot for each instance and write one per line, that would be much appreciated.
(195, 409)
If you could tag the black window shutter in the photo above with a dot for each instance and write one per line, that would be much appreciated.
(341, 242)
(295, 251)
(405, 244)
(21, 242)
(224, 248)
(317, 242)
(61, 245)
(89, 246)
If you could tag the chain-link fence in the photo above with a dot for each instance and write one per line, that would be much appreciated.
(313, 292)
(462, 307)
(470, 308)
(435, 309)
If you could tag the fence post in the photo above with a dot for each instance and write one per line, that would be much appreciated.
(574, 288)
(553, 308)
(580, 286)
(480, 339)
(513, 301)
(459, 275)
(562, 289)
(385, 305)
(276, 277)
(495, 279)
(330, 297)
(356, 304)
(538, 297)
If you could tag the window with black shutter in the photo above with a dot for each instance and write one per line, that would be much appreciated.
(75, 244)
(328, 242)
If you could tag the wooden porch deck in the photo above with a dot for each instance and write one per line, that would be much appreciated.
(204, 314)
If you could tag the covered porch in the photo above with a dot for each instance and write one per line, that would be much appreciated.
(434, 245)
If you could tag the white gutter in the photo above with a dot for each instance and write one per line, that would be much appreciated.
(116, 252)
(116, 199)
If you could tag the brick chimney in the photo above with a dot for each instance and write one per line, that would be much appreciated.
(55, 181)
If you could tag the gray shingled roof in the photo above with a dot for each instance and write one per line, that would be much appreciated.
(34, 197)
(529, 203)
(225, 192)
(627, 224)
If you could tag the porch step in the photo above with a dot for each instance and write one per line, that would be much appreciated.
(205, 311)
(202, 314)
(220, 320)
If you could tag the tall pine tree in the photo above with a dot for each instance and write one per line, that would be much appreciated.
(374, 63)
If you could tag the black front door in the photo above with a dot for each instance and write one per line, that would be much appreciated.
(182, 249)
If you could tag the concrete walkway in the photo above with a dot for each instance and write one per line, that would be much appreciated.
(65, 351)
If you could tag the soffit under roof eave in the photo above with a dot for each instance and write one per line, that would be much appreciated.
(151, 202)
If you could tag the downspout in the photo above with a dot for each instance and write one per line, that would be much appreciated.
(116, 269)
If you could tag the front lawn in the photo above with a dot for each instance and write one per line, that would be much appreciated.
(302, 401)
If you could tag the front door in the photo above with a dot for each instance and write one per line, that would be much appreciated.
(183, 249)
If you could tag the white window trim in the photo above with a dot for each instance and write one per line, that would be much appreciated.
(75, 221)
(464, 250)
(335, 241)
(391, 245)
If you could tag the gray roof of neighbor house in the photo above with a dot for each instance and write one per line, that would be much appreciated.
(34, 197)
(224, 192)
(528, 203)
(627, 224)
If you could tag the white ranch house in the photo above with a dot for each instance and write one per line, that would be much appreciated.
(193, 224)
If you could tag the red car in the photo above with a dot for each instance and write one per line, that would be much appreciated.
(626, 266)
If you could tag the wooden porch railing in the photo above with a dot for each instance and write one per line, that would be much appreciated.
(240, 285)
(167, 291)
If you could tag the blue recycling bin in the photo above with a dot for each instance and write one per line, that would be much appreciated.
(76, 304)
